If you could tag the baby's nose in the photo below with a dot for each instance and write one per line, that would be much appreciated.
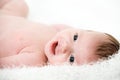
(65, 47)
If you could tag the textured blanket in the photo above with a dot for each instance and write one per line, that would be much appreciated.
(105, 70)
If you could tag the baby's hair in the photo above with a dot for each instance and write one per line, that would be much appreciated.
(108, 48)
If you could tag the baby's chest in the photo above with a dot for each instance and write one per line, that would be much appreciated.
(12, 42)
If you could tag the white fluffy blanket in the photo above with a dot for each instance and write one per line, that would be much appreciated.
(106, 70)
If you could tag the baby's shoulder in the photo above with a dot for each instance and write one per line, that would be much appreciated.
(9, 18)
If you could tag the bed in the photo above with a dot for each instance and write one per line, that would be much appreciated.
(99, 15)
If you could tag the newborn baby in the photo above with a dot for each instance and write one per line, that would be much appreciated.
(23, 42)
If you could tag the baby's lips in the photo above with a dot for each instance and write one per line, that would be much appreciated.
(53, 47)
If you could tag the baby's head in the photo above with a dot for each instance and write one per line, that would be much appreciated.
(76, 46)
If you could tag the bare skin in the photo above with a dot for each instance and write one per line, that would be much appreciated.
(28, 43)
(19, 37)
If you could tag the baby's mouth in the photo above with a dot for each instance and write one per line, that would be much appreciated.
(53, 47)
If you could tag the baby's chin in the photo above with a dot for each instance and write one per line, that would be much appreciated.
(60, 27)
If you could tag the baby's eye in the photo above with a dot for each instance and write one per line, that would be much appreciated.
(75, 37)
(71, 60)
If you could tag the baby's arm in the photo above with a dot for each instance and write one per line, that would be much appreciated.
(28, 59)
(14, 7)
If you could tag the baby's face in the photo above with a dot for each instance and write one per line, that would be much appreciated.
(74, 46)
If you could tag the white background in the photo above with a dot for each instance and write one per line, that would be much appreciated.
(100, 15)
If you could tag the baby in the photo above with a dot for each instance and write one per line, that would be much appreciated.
(23, 42)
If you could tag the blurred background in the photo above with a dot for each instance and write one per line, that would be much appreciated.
(99, 15)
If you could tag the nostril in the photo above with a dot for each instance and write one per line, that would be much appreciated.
(64, 50)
